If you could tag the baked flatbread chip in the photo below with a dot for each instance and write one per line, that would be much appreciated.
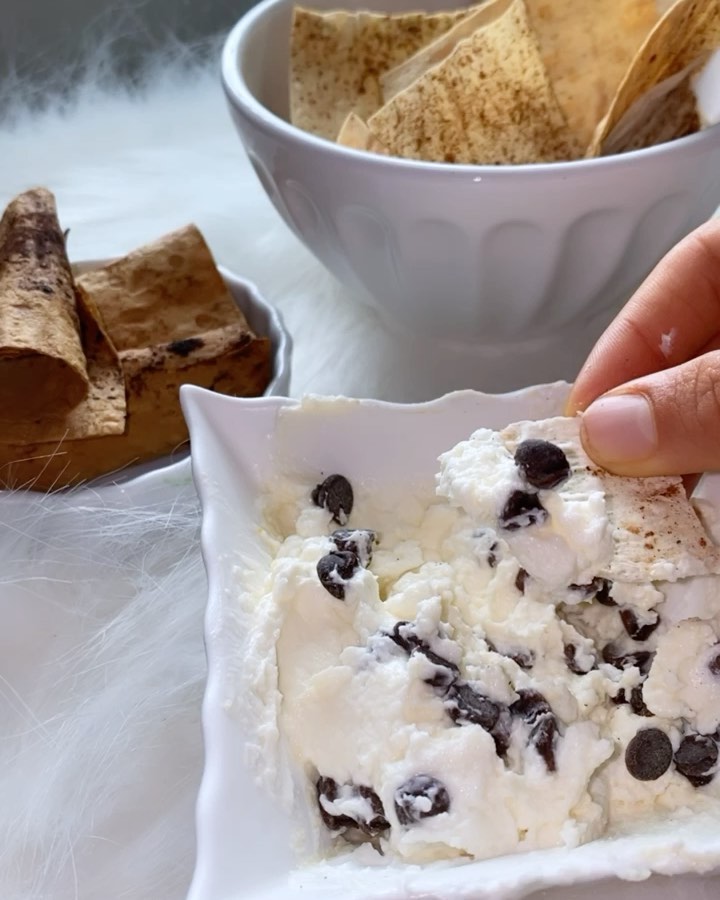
(229, 359)
(666, 112)
(164, 291)
(686, 35)
(587, 46)
(436, 52)
(60, 376)
(488, 102)
(656, 533)
(42, 363)
(355, 134)
(337, 58)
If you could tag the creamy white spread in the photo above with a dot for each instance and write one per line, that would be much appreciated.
(465, 690)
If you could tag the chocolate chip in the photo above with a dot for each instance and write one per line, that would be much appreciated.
(420, 797)
(327, 789)
(714, 665)
(635, 630)
(465, 704)
(522, 657)
(536, 712)
(445, 671)
(597, 589)
(696, 758)
(335, 494)
(521, 510)
(404, 636)
(640, 658)
(571, 651)
(649, 754)
(357, 540)
(521, 580)
(186, 346)
(335, 570)
(488, 545)
(636, 701)
(543, 464)
(603, 593)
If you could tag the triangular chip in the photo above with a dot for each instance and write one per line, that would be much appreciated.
(489, 102)
(656, 533)
(355, 134)
(436, 52)
(686, 34)
(166, 290)
(337, 58)
(667, 111)
(587, 47)
(40, 305)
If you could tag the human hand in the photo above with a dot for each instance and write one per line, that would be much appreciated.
(650, 389)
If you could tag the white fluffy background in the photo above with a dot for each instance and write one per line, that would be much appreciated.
(101, 655)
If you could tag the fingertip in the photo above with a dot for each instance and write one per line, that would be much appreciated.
(619, 431)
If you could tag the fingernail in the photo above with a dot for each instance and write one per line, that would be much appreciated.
(620, 427)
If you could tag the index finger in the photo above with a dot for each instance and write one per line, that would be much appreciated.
(671, 317)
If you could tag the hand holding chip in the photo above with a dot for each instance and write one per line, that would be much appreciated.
(650, 389)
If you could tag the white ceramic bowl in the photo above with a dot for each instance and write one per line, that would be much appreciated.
(244, 833)
(479, 254)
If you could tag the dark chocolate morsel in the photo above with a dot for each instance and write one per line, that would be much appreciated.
(543, 464)
(521, 657)
(446, 672)
(633, 627)
(649, 754)
(420, 797)
(327, 789)
(597, 589)
(404, 636)
(521, 579)
(491, 543)
(465, 704)
(357, 540)
(637, 702)
(536, 712)
(335, 570)
(714, 664)
(696, 758)
(521, 510)
(640, 658)
(335, 494)
(570, 651)
(603, 593)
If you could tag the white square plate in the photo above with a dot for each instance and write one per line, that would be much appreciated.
(245, 837)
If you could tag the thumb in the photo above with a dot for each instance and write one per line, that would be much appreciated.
(667, 423)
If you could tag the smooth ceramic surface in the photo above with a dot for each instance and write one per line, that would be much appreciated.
(244, 836)
(477, 254)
